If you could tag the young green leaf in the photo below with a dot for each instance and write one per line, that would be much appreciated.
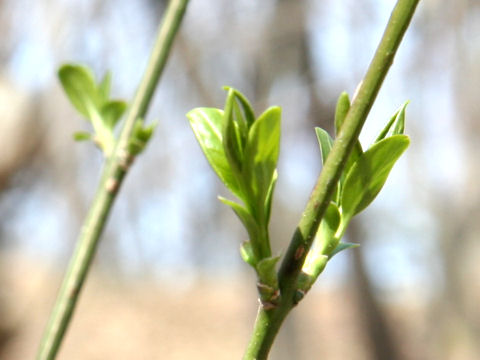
(79, 85)
(342, 246)
(140, 136)
(240, 125)
(356, 153)
(325, 141)
(207, 126)
(398, 119)
(387, 127)
(261, 152)
(232, 135)
(369, 173)
(341, 110)
(247, 108)
(268, 200)
(111, 112)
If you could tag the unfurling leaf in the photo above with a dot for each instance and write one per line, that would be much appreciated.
(246, 107)
(399, 128)
(140, 137)
(398, 123)
(341, 110)
(325, 141)
(268, 200)
(261, 153)
(234, 132)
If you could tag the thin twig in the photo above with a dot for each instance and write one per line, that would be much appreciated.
(268, 322)
(112, 176)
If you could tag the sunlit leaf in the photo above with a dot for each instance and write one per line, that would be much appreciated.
(207, 126)
(399, 127)
(232, 135)
(341, 110)
(397, 120)
(241, 125)
(261, 152)
(387, 127)
(357, 151)
(247, 108)
(369, 173)
(268, 200)
(325, 141)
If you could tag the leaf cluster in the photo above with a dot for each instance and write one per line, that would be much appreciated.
(243, 151)
(92, 100)
(364, 175)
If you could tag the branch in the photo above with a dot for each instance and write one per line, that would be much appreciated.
(112, 176)
(268, 322)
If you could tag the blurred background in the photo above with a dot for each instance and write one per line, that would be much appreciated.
(168, 282)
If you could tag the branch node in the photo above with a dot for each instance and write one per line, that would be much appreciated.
(125, 159)
(111, 185)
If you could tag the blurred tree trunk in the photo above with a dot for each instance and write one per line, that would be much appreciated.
(454, 317)
(457, 335)
(382, 344)
(20, 147)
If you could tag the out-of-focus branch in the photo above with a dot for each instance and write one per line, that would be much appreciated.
(113, 174)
